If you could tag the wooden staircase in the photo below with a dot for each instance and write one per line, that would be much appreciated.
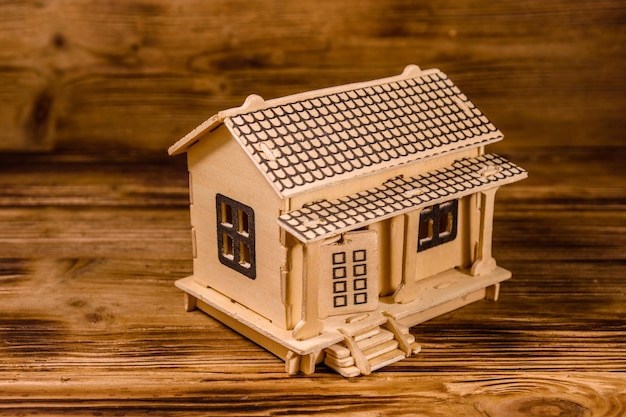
(372, 349)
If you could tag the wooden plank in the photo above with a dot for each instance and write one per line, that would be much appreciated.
(141, 73)
(53, 232)
(100, 179)
(516, 394)
(94, 205)
(91, 323)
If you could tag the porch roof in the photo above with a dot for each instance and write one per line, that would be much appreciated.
(321, 219)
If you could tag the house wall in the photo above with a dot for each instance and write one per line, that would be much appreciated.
(451, 254)
(457, 253)
(429, 262)
(217, 164)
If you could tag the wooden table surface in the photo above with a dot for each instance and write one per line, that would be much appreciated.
(91, 323)
(92, 239)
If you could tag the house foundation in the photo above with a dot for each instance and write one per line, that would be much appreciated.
(437, 295)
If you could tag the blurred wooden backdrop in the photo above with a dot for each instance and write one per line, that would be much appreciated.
(138, 74)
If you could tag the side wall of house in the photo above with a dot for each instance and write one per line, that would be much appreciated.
(218, 165)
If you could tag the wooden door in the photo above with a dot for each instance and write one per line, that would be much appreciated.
(349, 274)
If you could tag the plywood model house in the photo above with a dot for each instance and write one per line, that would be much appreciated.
(325, 224)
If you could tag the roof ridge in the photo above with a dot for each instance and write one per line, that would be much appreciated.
(255, 102)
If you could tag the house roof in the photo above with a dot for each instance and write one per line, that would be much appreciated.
(322, 219)
(310, 140)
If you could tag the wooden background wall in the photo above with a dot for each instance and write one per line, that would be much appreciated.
(112, 74)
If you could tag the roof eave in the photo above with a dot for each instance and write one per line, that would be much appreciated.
(253, 102)
(192, 137)
(493, 137)
(322, 219)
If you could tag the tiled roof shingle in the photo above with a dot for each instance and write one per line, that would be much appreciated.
(312, 142)
(322, 219)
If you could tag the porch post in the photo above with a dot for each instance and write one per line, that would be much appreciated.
(310, 325)
(407, 291)
(484, 262)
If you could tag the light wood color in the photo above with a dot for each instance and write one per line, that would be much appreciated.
(220, 166)
(407, 290)
(484, 262)
(360, 360)
(373, 349)
(265, 157)
(310, 325)
(404, 344)
(91, 322)
(359, 240)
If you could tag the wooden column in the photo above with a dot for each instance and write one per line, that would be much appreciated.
(407, 291)
(310, 325)
(484, 262)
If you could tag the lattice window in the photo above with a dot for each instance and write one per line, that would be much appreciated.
(349, 289)
(438, 224)
(235, 235)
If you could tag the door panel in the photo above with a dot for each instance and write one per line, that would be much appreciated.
(349, 274)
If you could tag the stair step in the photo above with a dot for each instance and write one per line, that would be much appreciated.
(340, 351)
(348, 372)
(378, 345)
(347, 369)
(331, 360)
(380, 349)
(345, 359)
(367, 334)
(382, 336)
(386, 359)
(404, 329)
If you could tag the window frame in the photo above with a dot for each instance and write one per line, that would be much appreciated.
(431, 218)
(235, 235)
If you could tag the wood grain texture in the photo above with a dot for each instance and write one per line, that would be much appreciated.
(141, 73)
(93, 238)
(91, 323)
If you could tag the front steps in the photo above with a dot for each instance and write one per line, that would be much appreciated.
(372, 349)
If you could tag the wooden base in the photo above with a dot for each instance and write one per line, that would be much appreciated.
(437, 295)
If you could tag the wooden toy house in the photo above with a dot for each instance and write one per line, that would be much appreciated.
(325, 224)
